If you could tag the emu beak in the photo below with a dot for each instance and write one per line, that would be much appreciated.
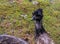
(33, 18)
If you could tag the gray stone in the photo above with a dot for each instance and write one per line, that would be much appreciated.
(7, 39)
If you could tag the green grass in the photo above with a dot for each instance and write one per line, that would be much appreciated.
(11, 19)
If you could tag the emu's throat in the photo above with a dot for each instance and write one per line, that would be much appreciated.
(38, 24)
(39, 28)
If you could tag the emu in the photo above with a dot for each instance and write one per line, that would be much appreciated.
(37, 17)
(41, 35)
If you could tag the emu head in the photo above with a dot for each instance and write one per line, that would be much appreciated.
(37, 15)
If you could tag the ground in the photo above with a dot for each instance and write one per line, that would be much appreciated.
(15, 19)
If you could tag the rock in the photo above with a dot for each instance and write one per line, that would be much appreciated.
(35, 2)
(24, 15)
(7, 39)
(30, 0)
(11, 1)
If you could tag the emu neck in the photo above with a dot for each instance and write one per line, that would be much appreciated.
(39, 28)
(38, 24)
